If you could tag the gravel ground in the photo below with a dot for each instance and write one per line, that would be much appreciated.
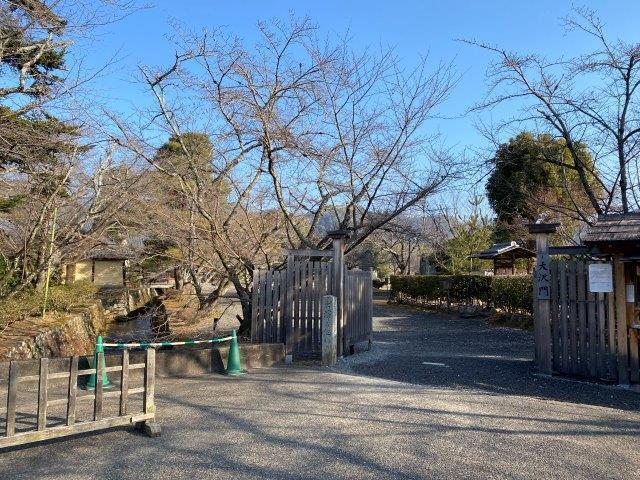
(475, 409)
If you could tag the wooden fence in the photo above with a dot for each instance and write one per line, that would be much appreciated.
(583, 327)
(287, 305)
(21, 426)
(302, 289)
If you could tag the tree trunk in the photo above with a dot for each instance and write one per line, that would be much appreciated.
(244, 294)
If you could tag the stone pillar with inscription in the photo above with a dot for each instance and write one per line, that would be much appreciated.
(542, 296)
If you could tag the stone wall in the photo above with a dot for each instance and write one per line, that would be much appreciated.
(75, 334)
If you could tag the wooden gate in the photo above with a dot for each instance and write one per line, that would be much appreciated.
(358, 305)
(287, 303)
(583, 327)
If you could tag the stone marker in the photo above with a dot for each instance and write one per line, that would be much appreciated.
(329, 330)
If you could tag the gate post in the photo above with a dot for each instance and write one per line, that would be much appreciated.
(339, 239)
(542, 296)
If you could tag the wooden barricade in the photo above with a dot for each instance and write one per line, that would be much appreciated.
(19, 429)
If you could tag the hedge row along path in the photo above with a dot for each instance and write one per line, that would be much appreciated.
(394, 412)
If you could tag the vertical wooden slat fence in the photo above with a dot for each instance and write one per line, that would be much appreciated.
(287, 304)
(19, 427)
(582, 325)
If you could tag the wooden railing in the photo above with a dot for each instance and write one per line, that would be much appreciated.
(19, 431)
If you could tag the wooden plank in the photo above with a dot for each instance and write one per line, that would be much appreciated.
(573, 317)
(254, 305)
(268, 305)
(14, 372)
(317, 299)
(592, 331)
(611, 337)
(304, 305)
(42, 394)
(72, 391)
(275, 295)
(282, 292)
(370, 307)
(63, 431)
(583, 306)
(634, 355)
(564, 327)
(296, 306)
(98, 392)
(149, 381)
(622, 352)
(554, 313)
(338, 288)
(124, 383)
(309, 307)
(263, 312)
(601, 317)
(288, 312)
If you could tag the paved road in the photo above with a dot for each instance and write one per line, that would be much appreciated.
(474, 410)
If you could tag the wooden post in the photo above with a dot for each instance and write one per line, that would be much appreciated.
(72, 391)
(619, 288)
(542, 296)
(43, 387)
(11, 398)
(339, 237)
(98, 391)
(149, 381)
(329, 330)
(124, 382)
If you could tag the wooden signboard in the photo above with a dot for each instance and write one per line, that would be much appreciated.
(542, 277)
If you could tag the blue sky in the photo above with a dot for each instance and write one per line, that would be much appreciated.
(413, 28)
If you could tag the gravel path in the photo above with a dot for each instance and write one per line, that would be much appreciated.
(474, 410)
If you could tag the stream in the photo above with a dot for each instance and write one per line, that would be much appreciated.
(134, 330)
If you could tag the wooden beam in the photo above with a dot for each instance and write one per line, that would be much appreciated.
(63, 431)
(307, 252)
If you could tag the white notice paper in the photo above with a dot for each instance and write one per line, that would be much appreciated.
(600, 277)
(631, 293)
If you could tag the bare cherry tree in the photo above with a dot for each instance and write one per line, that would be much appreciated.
(307, 136)
(590, 99)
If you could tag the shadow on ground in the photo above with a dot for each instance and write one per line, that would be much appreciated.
(447, 351)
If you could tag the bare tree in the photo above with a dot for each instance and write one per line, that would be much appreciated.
(307, 136)
(590, 99)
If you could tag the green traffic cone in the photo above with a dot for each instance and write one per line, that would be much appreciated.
(233, 359)
(91, 384)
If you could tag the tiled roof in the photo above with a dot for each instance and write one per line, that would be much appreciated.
(507, 250)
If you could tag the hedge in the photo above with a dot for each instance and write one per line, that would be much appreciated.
(512, 294)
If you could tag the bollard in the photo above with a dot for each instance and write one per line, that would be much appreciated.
(233, 359)
(91, 384)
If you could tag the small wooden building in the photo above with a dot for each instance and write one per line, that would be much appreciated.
(504, 256)
(103, 267)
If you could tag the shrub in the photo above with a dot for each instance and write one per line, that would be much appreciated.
(512, 294)
(379, 282)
